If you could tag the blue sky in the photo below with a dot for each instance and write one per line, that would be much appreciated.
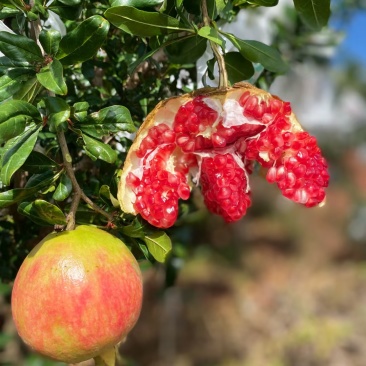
(353, 46)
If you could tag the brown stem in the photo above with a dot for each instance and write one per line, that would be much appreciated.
(78, 192)
(223, 82)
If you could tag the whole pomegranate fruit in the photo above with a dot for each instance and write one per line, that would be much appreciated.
(211, 138)
(77, 294)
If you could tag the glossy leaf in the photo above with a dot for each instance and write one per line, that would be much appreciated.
(106, 195)
(16, 152)
(211, 34)
(108, 120)
(6, 63)
(136, 3)
(259, 52)
(83, 42)
(12, 81)
(14, 115)
(80, 111)
(28, 90)
(314, 13)
(8, 86)
(99, 150)
(142, 23)
(19, 48)
(58, 112)
(63, 189)
(42, 212)
(52, 78)
(13, 4)
(238, 68)
(134, 230)
(159, 245)
(66, 11)
(16, 195)
(50, 40)
(70, 2)
(187, 50)
(39, 163)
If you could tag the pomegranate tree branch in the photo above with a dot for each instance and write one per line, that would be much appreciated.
(78, 192)
(223, 83)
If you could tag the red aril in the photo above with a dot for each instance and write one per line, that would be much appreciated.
(185, 139)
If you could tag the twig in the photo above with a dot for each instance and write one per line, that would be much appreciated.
(223, 81)
(78, 192)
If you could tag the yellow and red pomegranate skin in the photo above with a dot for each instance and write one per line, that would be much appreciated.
(77, 294)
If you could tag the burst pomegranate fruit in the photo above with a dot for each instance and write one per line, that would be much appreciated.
(211, 138)
(77, 294)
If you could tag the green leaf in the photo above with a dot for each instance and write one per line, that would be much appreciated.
(106, 195)
(16, 195)
(187, 50)
(314, 13)
(71, 2)
(28, 90)
(6, 63)
(83, 42)
(159, 245)
(58, 112)
(13, 4)
(14, 115)
(63, 189)
(220, 5)
(134, 230)
(99, 150)
(136, 3)
(80, 111)
(238, 68)
(108, 120)
(12, 81)
(16, 152)
(52, 78)
(39, 163)
(19, 48)
(259, 52)
(142, 23)
(211, 34)
(50, 41)
(42, 212)
(66, 11)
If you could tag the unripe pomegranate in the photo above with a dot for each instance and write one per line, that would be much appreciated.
(77, 294)
(210, 138)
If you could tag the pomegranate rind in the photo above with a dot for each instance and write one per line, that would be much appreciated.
(77, 294)
(165, 112)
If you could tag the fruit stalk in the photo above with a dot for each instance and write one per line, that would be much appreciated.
(223, 81)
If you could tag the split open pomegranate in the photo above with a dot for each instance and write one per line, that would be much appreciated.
(210, 138)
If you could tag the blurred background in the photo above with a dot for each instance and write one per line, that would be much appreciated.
(285, 286)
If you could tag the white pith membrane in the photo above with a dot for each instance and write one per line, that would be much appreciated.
(240, 125)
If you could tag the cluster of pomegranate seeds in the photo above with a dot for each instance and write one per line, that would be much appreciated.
(216, 140)
(158, 190)
(224, 186)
